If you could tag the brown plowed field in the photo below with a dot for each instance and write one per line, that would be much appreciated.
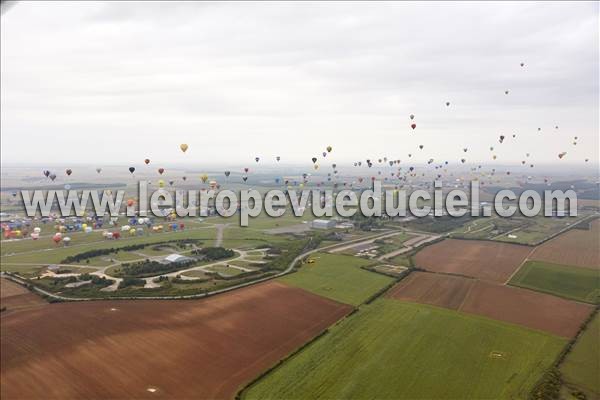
(577, 247)
(436, 289)
(528, 308)
(157, 349)
(504, 303)
(491, 261)
(16, 297)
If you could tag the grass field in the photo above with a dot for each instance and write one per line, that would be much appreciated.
(575, 283)
(581, 367)
(398, 350)
(338, 277)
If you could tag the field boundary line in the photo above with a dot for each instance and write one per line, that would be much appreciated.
(520, 266)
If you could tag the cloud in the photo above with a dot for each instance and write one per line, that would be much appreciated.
(115, 82)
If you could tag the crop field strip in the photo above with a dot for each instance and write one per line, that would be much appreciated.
(210, 346)
(576, 283)
(576, 247)
(485, 260)
(338, 277)
(581, 367)
(394, 349)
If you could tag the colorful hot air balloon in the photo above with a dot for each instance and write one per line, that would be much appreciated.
(203, 178)
(147, 161)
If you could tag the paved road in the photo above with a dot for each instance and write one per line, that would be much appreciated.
(200, 295)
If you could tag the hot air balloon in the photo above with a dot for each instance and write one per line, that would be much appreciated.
(244, 178)
(421, 146)
(329, 148)
(161, 170)
(98, 170)
(465, 149)
(522, 64)
(316, 166)
(183, 147)
(227, 173)
(413, 126)
(203, 178)
(131, 169)
(277, 158)
(69, 171)
(314, 160)
(257, 159)
(561, 155)
(147, 161)
(184, 178)
(412, 116)
(506, 92)
(447, 104)
(324, 154)
(46, 173)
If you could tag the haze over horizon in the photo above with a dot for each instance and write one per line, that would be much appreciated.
(114, 83)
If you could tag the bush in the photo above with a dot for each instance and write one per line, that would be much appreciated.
(214, 253)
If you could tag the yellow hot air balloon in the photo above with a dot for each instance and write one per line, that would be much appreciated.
(316, 166)
(204, 178)
(183, 147)
(329, 148)
(161, 183)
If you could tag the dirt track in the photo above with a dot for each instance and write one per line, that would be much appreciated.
(490, 261)
(504, 303)
(182, 349)
(576, 247)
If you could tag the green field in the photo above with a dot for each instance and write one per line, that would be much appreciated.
(392, 349)
(581, 367)
(338, 277)
(575, 283)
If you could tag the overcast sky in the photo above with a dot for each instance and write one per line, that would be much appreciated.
(118, 82)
